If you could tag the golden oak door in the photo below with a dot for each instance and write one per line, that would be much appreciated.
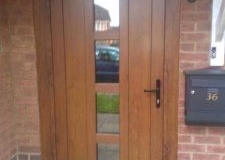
(113, 58)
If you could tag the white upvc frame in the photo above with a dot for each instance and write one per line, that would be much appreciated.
(217, 37)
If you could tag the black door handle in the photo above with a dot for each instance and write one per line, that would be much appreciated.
(157, 91)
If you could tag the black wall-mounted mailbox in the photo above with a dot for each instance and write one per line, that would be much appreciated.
(205, 97)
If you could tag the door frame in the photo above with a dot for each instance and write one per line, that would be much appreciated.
(51, 78)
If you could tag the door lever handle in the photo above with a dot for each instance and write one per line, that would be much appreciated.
(157, 91)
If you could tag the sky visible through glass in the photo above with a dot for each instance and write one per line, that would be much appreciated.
(113, 7)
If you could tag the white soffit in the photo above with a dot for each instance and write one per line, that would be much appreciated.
(217, 47)
(220, 22)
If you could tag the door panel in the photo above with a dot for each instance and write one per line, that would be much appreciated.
(141, 61)
(157, 72)
(145, 59)
(146, 43)
(59, 80)
(76, 80)
(139, 78)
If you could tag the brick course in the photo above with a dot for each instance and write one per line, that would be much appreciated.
(23, 66)
(19, 107)
(8, 140)
(196, 143)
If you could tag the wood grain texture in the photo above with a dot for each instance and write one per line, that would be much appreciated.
(76, 79)
(171, 78)
(140, 30)
(59, 79)
(90, 83)
(107, 138)
(157, 72)
(107, 87)
(107, 35)
(45, 78)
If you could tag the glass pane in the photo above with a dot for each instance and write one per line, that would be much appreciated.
(107, 57)
(106, 15)
(108, 152)
(107, 113)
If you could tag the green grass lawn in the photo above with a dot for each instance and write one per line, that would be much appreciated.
(107, 103)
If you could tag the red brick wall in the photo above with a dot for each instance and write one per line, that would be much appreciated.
(22, 60)
(196, 143)
(7, 137)
(19, 115)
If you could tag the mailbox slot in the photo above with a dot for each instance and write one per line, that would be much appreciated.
(198, 82)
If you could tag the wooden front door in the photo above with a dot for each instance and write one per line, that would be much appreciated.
(113, 93)
(146, 61)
